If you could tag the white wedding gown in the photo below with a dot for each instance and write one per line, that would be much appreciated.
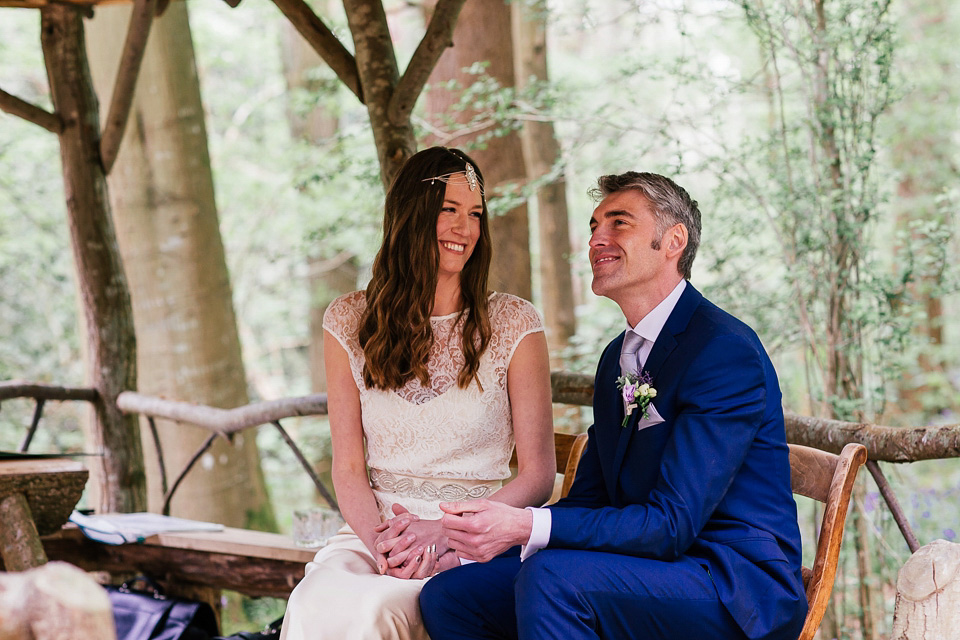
(425, 445)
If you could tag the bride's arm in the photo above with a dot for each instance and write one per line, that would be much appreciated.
(357, 502)
(528, 385)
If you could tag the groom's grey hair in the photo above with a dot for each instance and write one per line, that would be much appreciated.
(671, 205)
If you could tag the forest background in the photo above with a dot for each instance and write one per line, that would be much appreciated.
(820, 139)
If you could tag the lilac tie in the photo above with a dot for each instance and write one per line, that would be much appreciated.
(628, 355)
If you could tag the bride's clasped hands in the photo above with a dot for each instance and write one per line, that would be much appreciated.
(409, 547)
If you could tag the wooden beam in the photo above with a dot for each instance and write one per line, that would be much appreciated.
(111, 343)
(40, 391)
(30, 112)
(224, 421)
(438, 37)
(87, 5)
(324, 42)
(126, 81)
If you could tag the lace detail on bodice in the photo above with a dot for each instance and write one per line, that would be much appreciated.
(440, 431)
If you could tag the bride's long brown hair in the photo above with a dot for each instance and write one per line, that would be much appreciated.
(395, 331)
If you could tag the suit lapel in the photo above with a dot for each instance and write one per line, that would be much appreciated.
(662, 348)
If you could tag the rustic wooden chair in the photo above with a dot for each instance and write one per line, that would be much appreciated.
(827, 478)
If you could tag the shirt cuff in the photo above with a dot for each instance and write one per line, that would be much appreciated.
(539, 533)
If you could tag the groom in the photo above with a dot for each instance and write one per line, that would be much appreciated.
(681, 522)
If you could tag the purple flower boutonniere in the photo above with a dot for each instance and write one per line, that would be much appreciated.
(637, 393)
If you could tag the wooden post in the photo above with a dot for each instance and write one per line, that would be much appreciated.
(19, 541)
(928, 594)
(52, 602)
(111, 359)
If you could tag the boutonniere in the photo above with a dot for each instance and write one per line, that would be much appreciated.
(637, 393)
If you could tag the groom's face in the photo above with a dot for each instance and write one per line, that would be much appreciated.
(622, 238)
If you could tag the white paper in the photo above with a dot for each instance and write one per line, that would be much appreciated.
(123, 528)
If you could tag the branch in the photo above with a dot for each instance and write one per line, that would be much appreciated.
(21, 389)
(31, 113)
(438, 37)
(223, 421)
(889, 444)
(123, 88)
(319, 36)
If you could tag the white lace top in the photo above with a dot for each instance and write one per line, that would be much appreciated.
(432, 444)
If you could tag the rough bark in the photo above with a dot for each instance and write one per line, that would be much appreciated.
(501, 158)
(379, 75)
(372, 73)
(928, 594)
(31, 113)
(541, 152)
(111, 345)
(163, 198)
(20, 545)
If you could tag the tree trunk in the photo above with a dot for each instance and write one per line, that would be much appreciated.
(162, 193)
(379, 75)
(928, 594)
(501, 159)
(542, 155)
(111, 344)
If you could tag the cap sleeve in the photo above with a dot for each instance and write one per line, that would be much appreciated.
(342, 319)
(513, 319)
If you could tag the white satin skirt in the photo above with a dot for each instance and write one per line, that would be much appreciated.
(343, 597)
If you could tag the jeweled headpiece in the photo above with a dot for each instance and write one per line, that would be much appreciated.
(468, 176)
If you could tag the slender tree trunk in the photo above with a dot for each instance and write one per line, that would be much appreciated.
(379, 75)
(111, 343)
(501, 159)
(542, 155)
(328, 276)
(162, 193)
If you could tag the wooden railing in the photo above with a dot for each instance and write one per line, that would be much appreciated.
(883, 443)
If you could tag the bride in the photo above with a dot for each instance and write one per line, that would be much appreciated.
(431, 381)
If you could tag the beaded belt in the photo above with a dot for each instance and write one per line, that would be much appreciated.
(413, 487)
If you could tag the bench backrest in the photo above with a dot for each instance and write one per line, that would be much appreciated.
(827, 478)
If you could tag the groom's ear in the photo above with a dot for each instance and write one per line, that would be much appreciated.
(675, 241)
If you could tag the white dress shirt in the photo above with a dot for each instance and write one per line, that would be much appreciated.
(649, 329)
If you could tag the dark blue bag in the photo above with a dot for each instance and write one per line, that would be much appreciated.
(150, 615)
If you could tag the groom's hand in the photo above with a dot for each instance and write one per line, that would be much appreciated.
(480, 530)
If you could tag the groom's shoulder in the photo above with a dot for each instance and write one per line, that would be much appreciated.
(711, 320)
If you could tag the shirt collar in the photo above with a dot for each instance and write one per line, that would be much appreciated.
(651, 324)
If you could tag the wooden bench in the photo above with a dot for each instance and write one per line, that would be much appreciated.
(268, 564)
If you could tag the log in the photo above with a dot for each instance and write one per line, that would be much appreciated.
(928, 594)
(223, 421)
(54, 602)
(19, 543)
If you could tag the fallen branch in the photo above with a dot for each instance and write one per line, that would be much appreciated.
(223, 421)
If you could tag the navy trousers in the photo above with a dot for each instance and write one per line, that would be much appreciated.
(560, 593)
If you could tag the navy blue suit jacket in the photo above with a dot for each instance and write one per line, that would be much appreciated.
(711, 482)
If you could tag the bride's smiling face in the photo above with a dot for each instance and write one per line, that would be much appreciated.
(458, 226)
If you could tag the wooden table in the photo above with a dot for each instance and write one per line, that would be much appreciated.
(250, 562)
(36, 498)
